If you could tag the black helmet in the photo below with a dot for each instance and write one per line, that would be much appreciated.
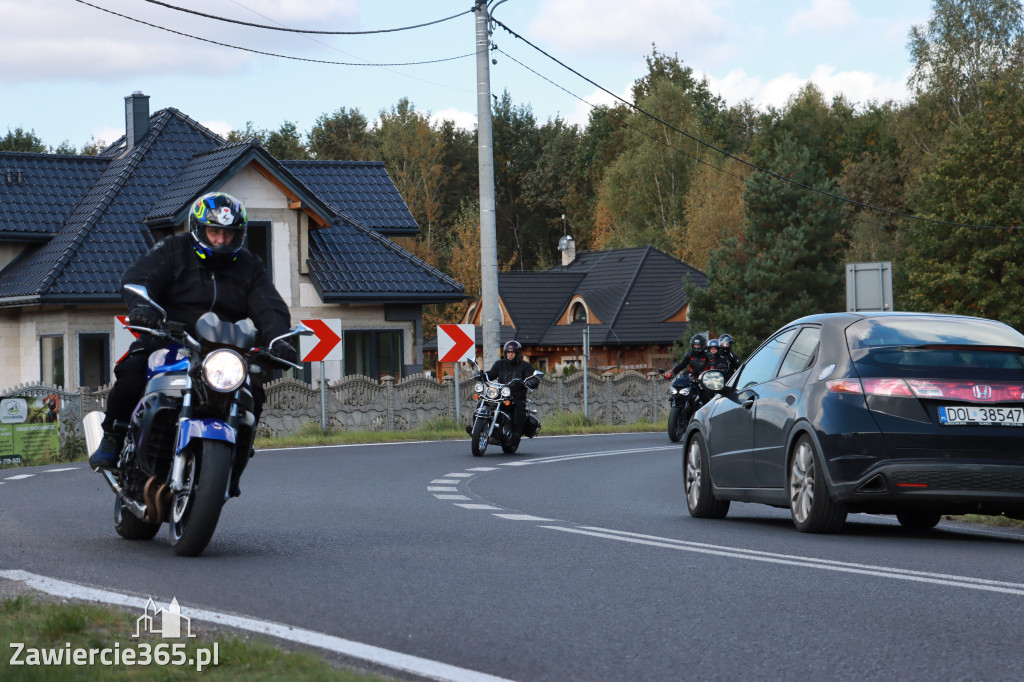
(513, 346)
(698, 342)
(726, 341)
(714, 343)
(225, 214)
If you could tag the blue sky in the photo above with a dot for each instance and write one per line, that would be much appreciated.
(65, 67)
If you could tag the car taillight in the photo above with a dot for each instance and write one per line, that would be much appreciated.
(964, 391)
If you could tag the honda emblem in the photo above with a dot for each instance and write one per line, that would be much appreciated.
(982, 392)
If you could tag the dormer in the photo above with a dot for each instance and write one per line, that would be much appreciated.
(578, 312)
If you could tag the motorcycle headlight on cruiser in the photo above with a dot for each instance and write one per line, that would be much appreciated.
(492, 393)
(505, 391)
(478, 387)
(224, 370)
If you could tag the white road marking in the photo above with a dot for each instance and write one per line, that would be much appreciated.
(476, 506)
(805, 562)
(515, 464)
(442, 489)
(19, 477)
(520, 517)
(50, 471)
(443, 481)
(425, 667)
(483, 469)
(452, 497)
(460, 475)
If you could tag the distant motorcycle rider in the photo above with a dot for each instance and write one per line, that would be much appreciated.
(190, 274)
(695, 361)
(513, 366)
(716, 359)
(726, 351)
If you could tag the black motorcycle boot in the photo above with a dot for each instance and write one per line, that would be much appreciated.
(236, 475)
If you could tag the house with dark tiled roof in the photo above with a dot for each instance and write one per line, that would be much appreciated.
(70, 225)
(631, 300)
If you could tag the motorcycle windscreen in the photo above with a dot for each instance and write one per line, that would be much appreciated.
(210, 328)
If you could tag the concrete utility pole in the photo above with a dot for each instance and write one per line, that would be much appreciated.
(489, 310)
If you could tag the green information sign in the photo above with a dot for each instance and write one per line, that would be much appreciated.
(29, 426)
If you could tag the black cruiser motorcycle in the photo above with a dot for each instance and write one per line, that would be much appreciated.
(492, 418)
(191, 428)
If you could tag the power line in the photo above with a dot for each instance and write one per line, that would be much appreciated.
(301, 30)
(890, 212)
(270, 54)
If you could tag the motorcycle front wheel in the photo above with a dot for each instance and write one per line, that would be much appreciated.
(676, 425)
(510, 446)
(196, 508)
(479, 438)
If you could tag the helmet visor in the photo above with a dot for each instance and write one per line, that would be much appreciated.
(221, 239)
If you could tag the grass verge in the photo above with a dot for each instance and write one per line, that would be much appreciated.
(49, 629)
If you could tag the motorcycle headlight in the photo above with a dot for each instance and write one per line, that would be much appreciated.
(684, 391)
(505, 391)
(478, 387)
(492, 392)
(671, 391)
(224, 370)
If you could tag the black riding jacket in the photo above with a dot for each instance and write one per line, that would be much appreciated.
(186, 287)
(505, 371)
(694, 362)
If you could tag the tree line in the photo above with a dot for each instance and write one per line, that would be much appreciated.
(770, 203)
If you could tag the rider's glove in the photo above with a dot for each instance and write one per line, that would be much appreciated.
(668, 374)
(532, 382)
(143, 316)
(284, 350)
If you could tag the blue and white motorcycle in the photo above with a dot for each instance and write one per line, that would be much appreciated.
(193, 426)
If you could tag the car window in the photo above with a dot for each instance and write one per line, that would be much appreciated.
(760, 367)
(801, 353)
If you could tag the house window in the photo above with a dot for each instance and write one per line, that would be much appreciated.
(374, 353)
(93, 359)
(257, 240)
(578, 313)
(51, 359)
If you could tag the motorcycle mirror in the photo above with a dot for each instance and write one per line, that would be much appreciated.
(143, 293)
(302, 330)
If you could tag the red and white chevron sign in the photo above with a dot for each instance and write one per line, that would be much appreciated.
(325, 345)
(456, 342)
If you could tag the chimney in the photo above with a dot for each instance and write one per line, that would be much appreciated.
(568, 248)
(136, 118)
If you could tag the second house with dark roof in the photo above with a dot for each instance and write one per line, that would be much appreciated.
(70, 226)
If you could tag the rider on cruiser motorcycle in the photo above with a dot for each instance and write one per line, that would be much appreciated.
(513, 366)
(188, 275)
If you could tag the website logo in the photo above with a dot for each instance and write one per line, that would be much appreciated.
(165, 622)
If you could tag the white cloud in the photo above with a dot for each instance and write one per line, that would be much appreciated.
(858, 87)
(462, 119)
(823, 16)
(603, 26)
(222, 128)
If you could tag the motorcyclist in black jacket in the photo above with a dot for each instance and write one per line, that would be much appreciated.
(716, 360)
(188, 275)
(513, 366)
(726, 351)
(694, 362)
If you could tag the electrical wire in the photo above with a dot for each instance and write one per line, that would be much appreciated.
(270, 54)
(301, 30)
(890, 212)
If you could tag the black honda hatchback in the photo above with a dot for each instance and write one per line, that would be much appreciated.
(911, 414)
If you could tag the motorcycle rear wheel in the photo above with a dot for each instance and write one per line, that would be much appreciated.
(509, 447)
(129, 526)
(479, 438)
(196, 509)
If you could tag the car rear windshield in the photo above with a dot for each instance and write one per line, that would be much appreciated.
(922, 342)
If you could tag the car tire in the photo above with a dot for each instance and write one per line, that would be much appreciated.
(919, 520)
(700, 498)
(812, 506)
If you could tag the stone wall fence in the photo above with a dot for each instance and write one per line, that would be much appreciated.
(358, 403)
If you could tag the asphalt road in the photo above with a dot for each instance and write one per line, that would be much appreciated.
(574, 560)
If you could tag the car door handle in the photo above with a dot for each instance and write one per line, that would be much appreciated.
(748, 403)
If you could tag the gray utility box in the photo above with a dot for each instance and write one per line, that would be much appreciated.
(869, 287)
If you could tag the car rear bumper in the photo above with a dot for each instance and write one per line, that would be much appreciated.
(940, 485)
